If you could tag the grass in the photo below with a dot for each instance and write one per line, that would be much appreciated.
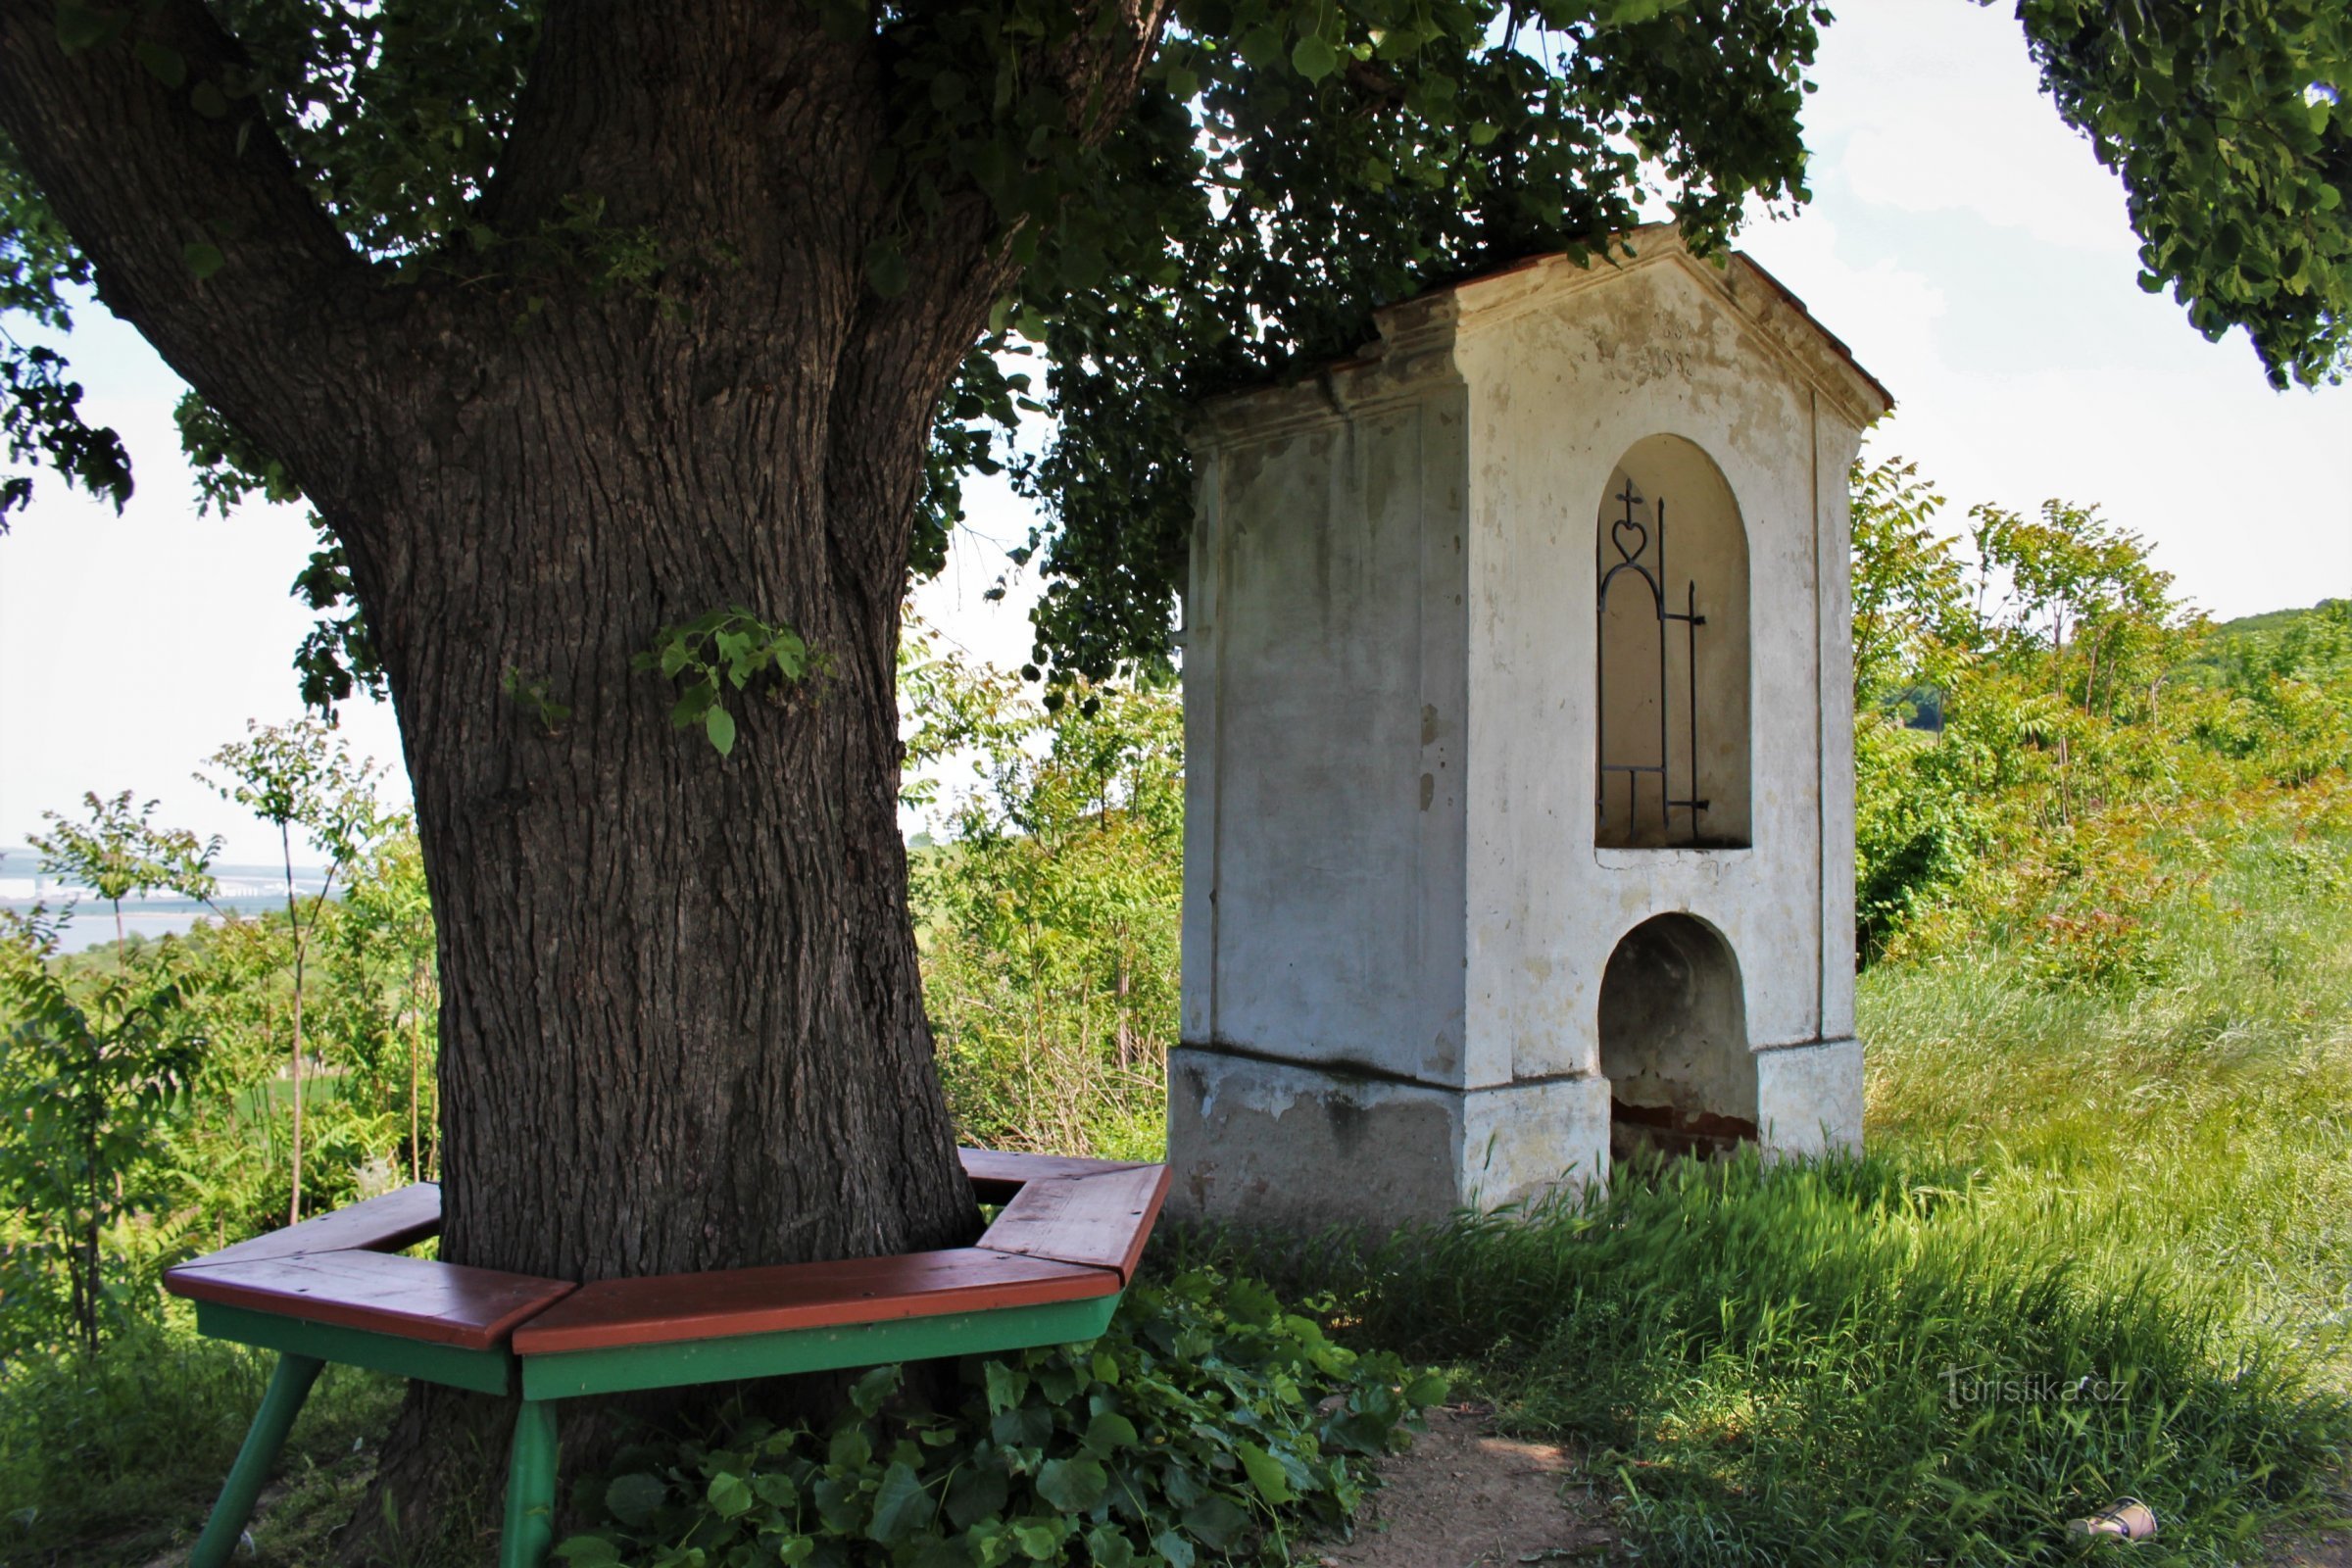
(116, 1458)
(2101, 1245)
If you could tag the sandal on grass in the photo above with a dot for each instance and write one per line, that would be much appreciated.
(2128, 1519)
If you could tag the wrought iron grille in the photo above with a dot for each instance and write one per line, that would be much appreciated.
(1637, 557)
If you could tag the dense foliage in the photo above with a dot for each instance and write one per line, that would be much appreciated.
(1209, 1425)
(2230, 122)
(151, 1087)
(2035, 703)
(1047, 906)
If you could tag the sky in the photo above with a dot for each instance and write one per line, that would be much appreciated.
(1961, 240)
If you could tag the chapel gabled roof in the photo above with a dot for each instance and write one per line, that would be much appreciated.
(1418, 336)
(1762, 301)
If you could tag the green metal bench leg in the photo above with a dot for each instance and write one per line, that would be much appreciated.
(530, 1527)
(289, 1386)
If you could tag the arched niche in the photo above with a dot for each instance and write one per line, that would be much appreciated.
(1672, 745)
(1674, 1042)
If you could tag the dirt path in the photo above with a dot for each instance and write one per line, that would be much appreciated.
(1463, 1499)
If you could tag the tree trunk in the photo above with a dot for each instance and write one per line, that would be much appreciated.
(681, 1018)
(682, 1022)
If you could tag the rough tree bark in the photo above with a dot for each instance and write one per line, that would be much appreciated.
(682, 1022)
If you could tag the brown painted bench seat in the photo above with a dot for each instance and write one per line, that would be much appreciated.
(1050, 1269)
(388, 1224)
(384, 1293)
(1098, 1218)
(664, 1308)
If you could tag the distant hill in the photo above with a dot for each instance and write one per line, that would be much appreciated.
(2313, 644)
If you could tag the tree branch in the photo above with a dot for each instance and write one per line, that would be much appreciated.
(199, 227)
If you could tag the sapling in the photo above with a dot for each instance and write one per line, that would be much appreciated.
(90, 1075)
(301, 775)
(118, 853)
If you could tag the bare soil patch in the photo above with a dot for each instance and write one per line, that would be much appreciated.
(1463, 1497)
(2333, 1549)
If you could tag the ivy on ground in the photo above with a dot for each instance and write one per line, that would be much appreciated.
(1209, 1425)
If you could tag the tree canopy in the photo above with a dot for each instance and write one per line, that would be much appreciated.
(1282, 169)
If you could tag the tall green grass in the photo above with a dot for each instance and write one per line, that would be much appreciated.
(116, 1458)
(1844, 1364)
(2101, 1245)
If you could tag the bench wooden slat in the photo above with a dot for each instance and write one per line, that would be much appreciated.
(1099, 1221)
(997, 1175)
(670, 1309)
(385, 1224)
(409, 1298)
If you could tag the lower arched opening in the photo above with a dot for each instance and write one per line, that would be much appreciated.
(1673, 1044)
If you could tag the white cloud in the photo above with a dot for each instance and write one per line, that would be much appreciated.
(1929, 106)
(1968, 248)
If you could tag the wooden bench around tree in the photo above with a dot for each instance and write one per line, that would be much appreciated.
(1050, 1270)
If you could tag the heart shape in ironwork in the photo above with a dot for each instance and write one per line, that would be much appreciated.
(1617, 532)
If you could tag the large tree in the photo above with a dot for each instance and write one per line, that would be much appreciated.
(627, 352)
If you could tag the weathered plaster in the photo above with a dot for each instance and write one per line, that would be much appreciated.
(1396, 914)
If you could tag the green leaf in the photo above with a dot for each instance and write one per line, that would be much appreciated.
(1217, 1520)
(872, 1391)
(209, 100)
(901, 1508)
(1007, 1386)
(1261, 46)
(1174, 1548)
(1264, 1473)
(1072, 1486)
(1314, 59)
(1429, 1389)
(719, 725)
(635, 1497)
(851, 1449)
(204, 258)
(1106, 1548)
(1025, 1428)
(1059, 1384)
(1039, 1543)
(1109, 1432)
(588, 1552)
(728, 1495)
(978, 1491)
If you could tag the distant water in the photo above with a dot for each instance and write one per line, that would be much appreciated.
(24, 881)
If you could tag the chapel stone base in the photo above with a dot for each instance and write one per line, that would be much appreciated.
(1293, 1147)
(1282, 1145)
(1809, 1098)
